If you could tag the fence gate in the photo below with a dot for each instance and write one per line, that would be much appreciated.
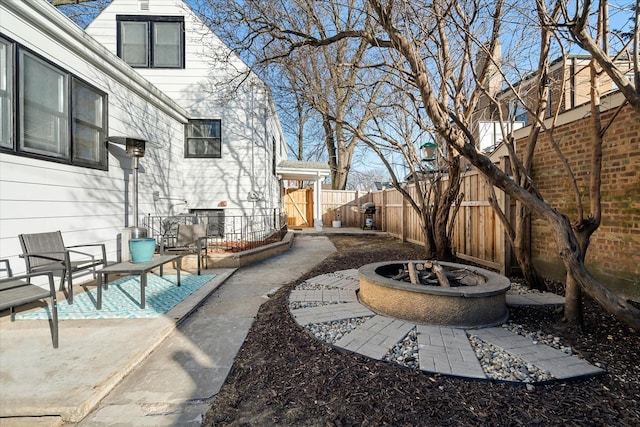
(298, 205)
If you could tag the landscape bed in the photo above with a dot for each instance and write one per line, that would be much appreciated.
(283, 376)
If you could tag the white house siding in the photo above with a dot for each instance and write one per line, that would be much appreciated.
(205, 90)
(87, 205)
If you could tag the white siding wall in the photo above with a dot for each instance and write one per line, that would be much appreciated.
(88, 206)
(205, 90)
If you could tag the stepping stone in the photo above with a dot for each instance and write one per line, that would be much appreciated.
(447, 351)
(560, 364)
(375, 337)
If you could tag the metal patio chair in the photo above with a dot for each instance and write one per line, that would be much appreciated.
(15, 291)
(190, 239)
(47, 252)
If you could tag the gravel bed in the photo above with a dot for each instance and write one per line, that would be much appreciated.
(500, 365)
(296, 305)
(497, 364)
(405, 352)
(519, 289)
(539, 337)
(332, 331)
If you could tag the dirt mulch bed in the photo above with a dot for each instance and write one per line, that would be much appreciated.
(283, 376)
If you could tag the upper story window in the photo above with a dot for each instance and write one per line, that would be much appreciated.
(203, 139)
(151, 41)
(58, 116)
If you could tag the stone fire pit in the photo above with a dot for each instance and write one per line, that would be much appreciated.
(481, 302)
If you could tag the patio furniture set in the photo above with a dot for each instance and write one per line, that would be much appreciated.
(45, 254)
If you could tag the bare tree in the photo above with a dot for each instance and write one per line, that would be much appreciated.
(594, 39)
(453, 132)
(496, 106)
(431, 192)
(395, 37)
(327, 74)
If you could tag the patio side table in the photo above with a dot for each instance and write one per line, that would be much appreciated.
(139, 268)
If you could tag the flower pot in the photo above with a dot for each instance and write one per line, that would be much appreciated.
(142, 250)
(336, 224)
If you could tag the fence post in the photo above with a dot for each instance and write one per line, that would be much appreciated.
(383, 226)
(506, 208)
(403, 227)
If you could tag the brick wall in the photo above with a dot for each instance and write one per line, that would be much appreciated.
(614, 253)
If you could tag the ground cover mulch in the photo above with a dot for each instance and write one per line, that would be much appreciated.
(282, 376)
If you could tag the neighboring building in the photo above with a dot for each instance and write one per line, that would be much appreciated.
(211, 146)
(569, 84)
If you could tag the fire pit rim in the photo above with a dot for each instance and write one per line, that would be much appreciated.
(495, 283)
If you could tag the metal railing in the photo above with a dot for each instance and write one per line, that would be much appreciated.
(229, 232)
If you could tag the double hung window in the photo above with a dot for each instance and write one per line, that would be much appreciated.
(151, 41)
(203, 139)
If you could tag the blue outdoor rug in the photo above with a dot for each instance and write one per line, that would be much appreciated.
(122, 299)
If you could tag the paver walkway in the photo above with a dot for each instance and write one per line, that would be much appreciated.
(444, 350)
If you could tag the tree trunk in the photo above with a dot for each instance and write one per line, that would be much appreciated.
(571, 255)
(442, 215)
(522, 248)
(573, 313)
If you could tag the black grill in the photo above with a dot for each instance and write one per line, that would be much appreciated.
(368, 211)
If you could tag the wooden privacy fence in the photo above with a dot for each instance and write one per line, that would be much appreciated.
(343, 206)
(478, 234)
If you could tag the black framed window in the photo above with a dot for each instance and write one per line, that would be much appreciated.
(151, 41)
(203, 138)
(58, 116)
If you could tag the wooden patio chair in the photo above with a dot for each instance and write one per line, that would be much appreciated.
(15, 291)
(47, 252)
(190, 239)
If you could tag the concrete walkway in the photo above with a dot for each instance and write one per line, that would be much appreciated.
(442, 350)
